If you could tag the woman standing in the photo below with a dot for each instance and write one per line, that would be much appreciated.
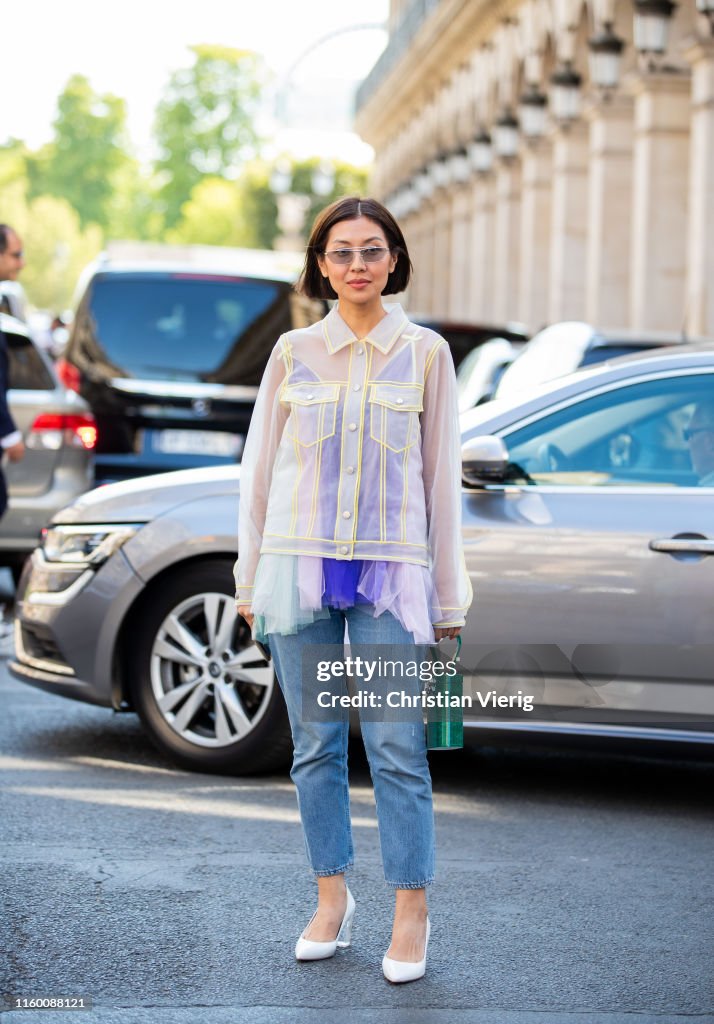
(350, 514)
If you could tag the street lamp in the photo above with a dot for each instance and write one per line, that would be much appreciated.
(459, 166)
(505, 135)
(532, 112)
(605, 57)
(566, 84)
(706, 7)
(423, 184)
(651, 28)
(439, 169)
(481, 152)
(322, 179)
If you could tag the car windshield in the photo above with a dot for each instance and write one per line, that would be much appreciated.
(183, 327)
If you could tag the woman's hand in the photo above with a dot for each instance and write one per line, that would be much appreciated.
(440, 632)
(244, 611)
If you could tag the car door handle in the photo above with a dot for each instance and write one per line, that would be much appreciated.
(676, 545)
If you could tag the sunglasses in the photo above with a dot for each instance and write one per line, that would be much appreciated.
(370, 254)
(17, 255)
(689, 432)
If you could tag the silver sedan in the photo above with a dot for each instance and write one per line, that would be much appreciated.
(588, 535)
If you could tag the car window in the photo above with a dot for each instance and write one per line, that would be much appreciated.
(182, 327)
(600, 353)
(26, 369)
(631, 435)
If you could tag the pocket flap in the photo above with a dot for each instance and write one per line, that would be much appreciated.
(309, 393)
(403, 397)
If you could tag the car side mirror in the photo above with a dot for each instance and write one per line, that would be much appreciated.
(484, 460)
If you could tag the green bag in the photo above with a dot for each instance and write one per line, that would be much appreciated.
(445, 724)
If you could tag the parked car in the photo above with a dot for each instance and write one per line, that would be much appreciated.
(59, 433)
(463, 338)
(168, 347)
(571, 345)
(480, 371)
(587, 536)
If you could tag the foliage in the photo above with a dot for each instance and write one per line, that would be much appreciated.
(205, 122)
(56, 246)
(88, 154)
(211, 216)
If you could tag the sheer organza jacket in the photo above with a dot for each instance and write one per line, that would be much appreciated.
(354, 453)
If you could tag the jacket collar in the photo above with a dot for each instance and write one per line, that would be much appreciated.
(337, 334)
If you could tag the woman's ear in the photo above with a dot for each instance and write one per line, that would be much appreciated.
(323, 266)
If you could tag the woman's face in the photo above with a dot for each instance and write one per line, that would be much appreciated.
(357, 282)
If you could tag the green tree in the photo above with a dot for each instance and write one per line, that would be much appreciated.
(212, 216)
(56, 246)
(88, 154)
(205, 122)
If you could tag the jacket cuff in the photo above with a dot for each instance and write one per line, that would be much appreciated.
(244, 594)
(10, 439)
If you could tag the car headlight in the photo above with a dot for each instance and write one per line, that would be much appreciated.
(85, 546)
(68, 558)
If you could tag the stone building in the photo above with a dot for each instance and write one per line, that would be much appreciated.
(550, 159)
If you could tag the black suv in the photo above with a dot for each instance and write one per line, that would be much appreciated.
(169, 348)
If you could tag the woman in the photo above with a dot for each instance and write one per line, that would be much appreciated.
(350, 514)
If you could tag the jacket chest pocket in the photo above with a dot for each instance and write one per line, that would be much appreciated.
(313, 416)
(394, 414)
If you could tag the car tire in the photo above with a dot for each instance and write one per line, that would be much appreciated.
(205, 694)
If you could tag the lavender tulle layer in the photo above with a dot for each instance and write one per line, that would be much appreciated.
(291, 591)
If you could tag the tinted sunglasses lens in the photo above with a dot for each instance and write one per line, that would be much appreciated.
(374, 255)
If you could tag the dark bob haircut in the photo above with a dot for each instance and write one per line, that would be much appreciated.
(314, 285)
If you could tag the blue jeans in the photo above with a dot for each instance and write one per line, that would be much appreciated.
(396, 751)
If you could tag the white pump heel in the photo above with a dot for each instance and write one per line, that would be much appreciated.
(306, 949)
(398, 971)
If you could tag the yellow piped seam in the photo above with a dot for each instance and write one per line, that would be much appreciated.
(355, 510)
(430, 357)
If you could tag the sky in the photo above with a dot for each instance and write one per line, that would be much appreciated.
(130, 49)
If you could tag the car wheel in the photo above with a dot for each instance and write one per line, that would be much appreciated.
(204, 692)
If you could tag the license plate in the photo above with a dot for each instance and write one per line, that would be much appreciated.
(198, 442)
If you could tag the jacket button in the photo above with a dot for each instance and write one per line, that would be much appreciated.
(344, 551)
(350, 470)
(312, 396)
(400, 401)
(360, 350)
(355, 387)
(352, 426)
(346, 515)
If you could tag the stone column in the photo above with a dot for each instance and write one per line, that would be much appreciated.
(659, 207)
(441, 261)
(569, 223)
(700, 255)
(534, 274)
(460, 273)
(420, 292)
(507, 241)
(609, 238)
(480, 256)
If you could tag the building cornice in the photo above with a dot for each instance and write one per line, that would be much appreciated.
(445, 39)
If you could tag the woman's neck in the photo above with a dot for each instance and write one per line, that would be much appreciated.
(361, 319)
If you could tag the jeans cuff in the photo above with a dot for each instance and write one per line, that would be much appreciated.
(333, 871)
(411, 885)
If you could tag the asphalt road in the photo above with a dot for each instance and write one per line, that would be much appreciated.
(570, 888)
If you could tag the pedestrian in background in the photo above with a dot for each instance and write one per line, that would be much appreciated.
(11, 263)
(350, 515)
(12, 260)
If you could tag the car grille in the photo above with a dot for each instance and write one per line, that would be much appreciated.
(36, 647)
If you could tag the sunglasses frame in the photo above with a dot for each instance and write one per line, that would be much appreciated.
(330, 253)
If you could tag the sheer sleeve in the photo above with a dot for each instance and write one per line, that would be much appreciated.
(441, 457)
(264, 434)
